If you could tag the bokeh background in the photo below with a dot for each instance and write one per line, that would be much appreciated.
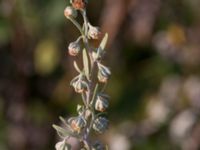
(154, 55)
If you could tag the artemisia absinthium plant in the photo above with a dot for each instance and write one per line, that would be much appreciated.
(90, 83)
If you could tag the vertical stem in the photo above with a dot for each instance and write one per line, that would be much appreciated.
(87, 146)
(85, 21)
(83, 12)
(91, 91)
(90, 95)
(76, 24)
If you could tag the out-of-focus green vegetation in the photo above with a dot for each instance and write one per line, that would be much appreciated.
(153, 52)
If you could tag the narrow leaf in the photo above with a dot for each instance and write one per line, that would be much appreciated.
(74, 79)
(86, 63)
(64, 121)
(104, 42)
(76, 67)
(61, 131)
(80, 109)
(94, 94)
(102, 45)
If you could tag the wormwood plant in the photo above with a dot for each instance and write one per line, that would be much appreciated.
(90, 83)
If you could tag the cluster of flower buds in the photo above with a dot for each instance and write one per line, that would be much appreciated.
(102, 102)
(100, 124)
(103, 73)
(94, 101)
(77, 123)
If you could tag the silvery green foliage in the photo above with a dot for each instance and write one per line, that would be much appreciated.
(90, 83)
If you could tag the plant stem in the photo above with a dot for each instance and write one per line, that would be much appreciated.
(87, 146)
(90, 95)
(77, 25)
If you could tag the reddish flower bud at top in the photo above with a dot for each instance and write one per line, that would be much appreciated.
(79, 4)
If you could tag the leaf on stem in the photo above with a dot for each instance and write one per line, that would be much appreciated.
(76, 67)
(74, 79)
(94, 94)
(86, 63)
(80, 109)
(102, 44)
(64, 122)
(61, 131)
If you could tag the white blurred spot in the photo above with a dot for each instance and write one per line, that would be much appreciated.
(181, 125)
(157, 112)
(119, 142)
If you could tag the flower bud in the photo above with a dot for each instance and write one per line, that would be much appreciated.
(80, 86)
(101, 103)
(79, 4)
(70, 12)
(103, 73)
(93, 32)
(62, 146)
(98, 146)
(77, 123)
(100, 124)
(74, 48)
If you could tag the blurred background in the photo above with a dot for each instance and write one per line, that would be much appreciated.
(154, 55)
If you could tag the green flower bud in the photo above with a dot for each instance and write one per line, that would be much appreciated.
(101, 103)
(70, 12)
(77, 123)
(74, 48)
(93, 32)
(62, 146)
(100, 124)
(103, 73)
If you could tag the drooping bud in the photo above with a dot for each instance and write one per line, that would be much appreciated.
(62, 146)
(74, 48)
(98, 146)
(79, 4)
(103, 73)
(101, 103)
(70, 12)
(100, 124)
(80, 86)
(93, 32)
(77, 123)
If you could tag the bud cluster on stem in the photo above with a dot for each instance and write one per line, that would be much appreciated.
(89, 83)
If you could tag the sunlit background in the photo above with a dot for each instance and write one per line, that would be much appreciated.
(154, 55)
